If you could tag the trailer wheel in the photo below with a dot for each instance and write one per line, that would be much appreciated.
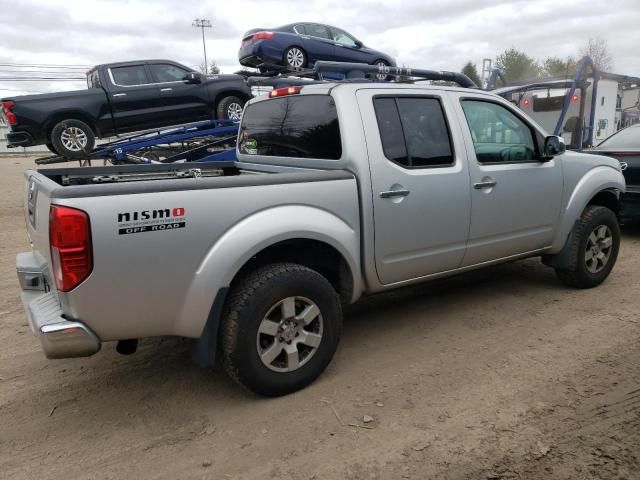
(280, 328)
(230, 108)
(73, 139)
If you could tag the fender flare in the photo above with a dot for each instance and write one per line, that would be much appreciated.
(596, 180)
(251, 235)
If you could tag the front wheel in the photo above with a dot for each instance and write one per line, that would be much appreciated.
(73, 139)
(381, 64)
(230, 108)
(280, 328)
(593, 250)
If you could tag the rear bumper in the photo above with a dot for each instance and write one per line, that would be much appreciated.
(60, 338)
(19, 139)
(255, 54)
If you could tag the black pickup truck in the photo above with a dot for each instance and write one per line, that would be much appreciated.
(121, 98)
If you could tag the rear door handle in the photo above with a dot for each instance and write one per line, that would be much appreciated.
(166, 89)
(119, 94)
(481, 185)
(394, 193)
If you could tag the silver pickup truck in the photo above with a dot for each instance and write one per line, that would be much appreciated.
(340, 190)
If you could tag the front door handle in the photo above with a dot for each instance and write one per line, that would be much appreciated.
(394, 193)
(166, 89)
(481, 185)
(119, 95)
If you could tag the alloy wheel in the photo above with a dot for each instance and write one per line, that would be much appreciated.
(599, 247)
(289, 334)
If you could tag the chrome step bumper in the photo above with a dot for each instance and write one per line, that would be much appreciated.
(60, 338)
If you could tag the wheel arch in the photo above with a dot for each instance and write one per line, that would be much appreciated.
(332, 250)
(60, 116)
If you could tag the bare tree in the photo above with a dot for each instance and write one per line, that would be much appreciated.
(598, 50)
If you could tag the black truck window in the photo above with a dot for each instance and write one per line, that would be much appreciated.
(301, 126)
(165, 72)
(414, 131)
(130, 75)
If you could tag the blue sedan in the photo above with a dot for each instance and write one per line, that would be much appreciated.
(300, 45)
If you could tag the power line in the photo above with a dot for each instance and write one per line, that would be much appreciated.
(46, 65)
(38, 79)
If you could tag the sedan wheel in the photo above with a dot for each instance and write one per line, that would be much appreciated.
(295, 58)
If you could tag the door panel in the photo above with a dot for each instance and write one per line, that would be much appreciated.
(181, 102)
(515, 198)
(317, 42)
(135, 100)
(421, 211)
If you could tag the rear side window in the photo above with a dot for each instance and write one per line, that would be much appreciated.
(301, 126)
(414, 131)
(130, 76)
(316, 30)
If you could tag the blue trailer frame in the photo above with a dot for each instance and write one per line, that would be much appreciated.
(119, 150)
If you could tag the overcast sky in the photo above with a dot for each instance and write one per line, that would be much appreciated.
(434, 34)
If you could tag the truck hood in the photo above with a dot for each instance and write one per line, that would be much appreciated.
(591, 159)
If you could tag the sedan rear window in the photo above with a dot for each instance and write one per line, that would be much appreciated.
(301, 126)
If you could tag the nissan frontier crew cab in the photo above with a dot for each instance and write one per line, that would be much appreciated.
(340, 190)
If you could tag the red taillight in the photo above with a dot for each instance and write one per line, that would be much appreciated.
(526, 102)
(70, 239)
(281, 92)
(7, 106)
(575, 98)
(262, 35)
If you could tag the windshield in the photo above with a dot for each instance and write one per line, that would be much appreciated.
(629, 137)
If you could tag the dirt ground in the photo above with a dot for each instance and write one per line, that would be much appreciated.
(497, 374)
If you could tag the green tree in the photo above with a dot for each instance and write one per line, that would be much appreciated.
(556, 67)
(517, 65)
(471, 71)
(213, 68)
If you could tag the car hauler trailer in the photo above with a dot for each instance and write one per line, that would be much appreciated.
(584, 110)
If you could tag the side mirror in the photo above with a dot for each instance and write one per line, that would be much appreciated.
(192, 78)
(359, 44)
(553, 145)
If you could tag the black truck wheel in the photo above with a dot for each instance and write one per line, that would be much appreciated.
(280, 328)
(230, 108)
(73, 139)
(593, 250)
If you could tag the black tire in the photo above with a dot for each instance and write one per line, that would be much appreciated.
(52, 149)
(286, 61)
(249, 303)
(85, 139)
(577, 274)
(227, 106)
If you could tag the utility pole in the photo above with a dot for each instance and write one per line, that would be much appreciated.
(203, 23)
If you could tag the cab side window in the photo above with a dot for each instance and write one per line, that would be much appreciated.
(166, 73)
(499, 136)
(414, 131)
(130, 75)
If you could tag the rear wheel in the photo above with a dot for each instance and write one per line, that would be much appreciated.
(52, 149)
(73, 139)
(280, 328)
(230, 108)
(593, 250)
(295, 57)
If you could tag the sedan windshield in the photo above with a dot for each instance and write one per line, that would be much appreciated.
(629, 137)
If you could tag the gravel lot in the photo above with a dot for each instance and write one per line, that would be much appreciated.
(497, 374)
